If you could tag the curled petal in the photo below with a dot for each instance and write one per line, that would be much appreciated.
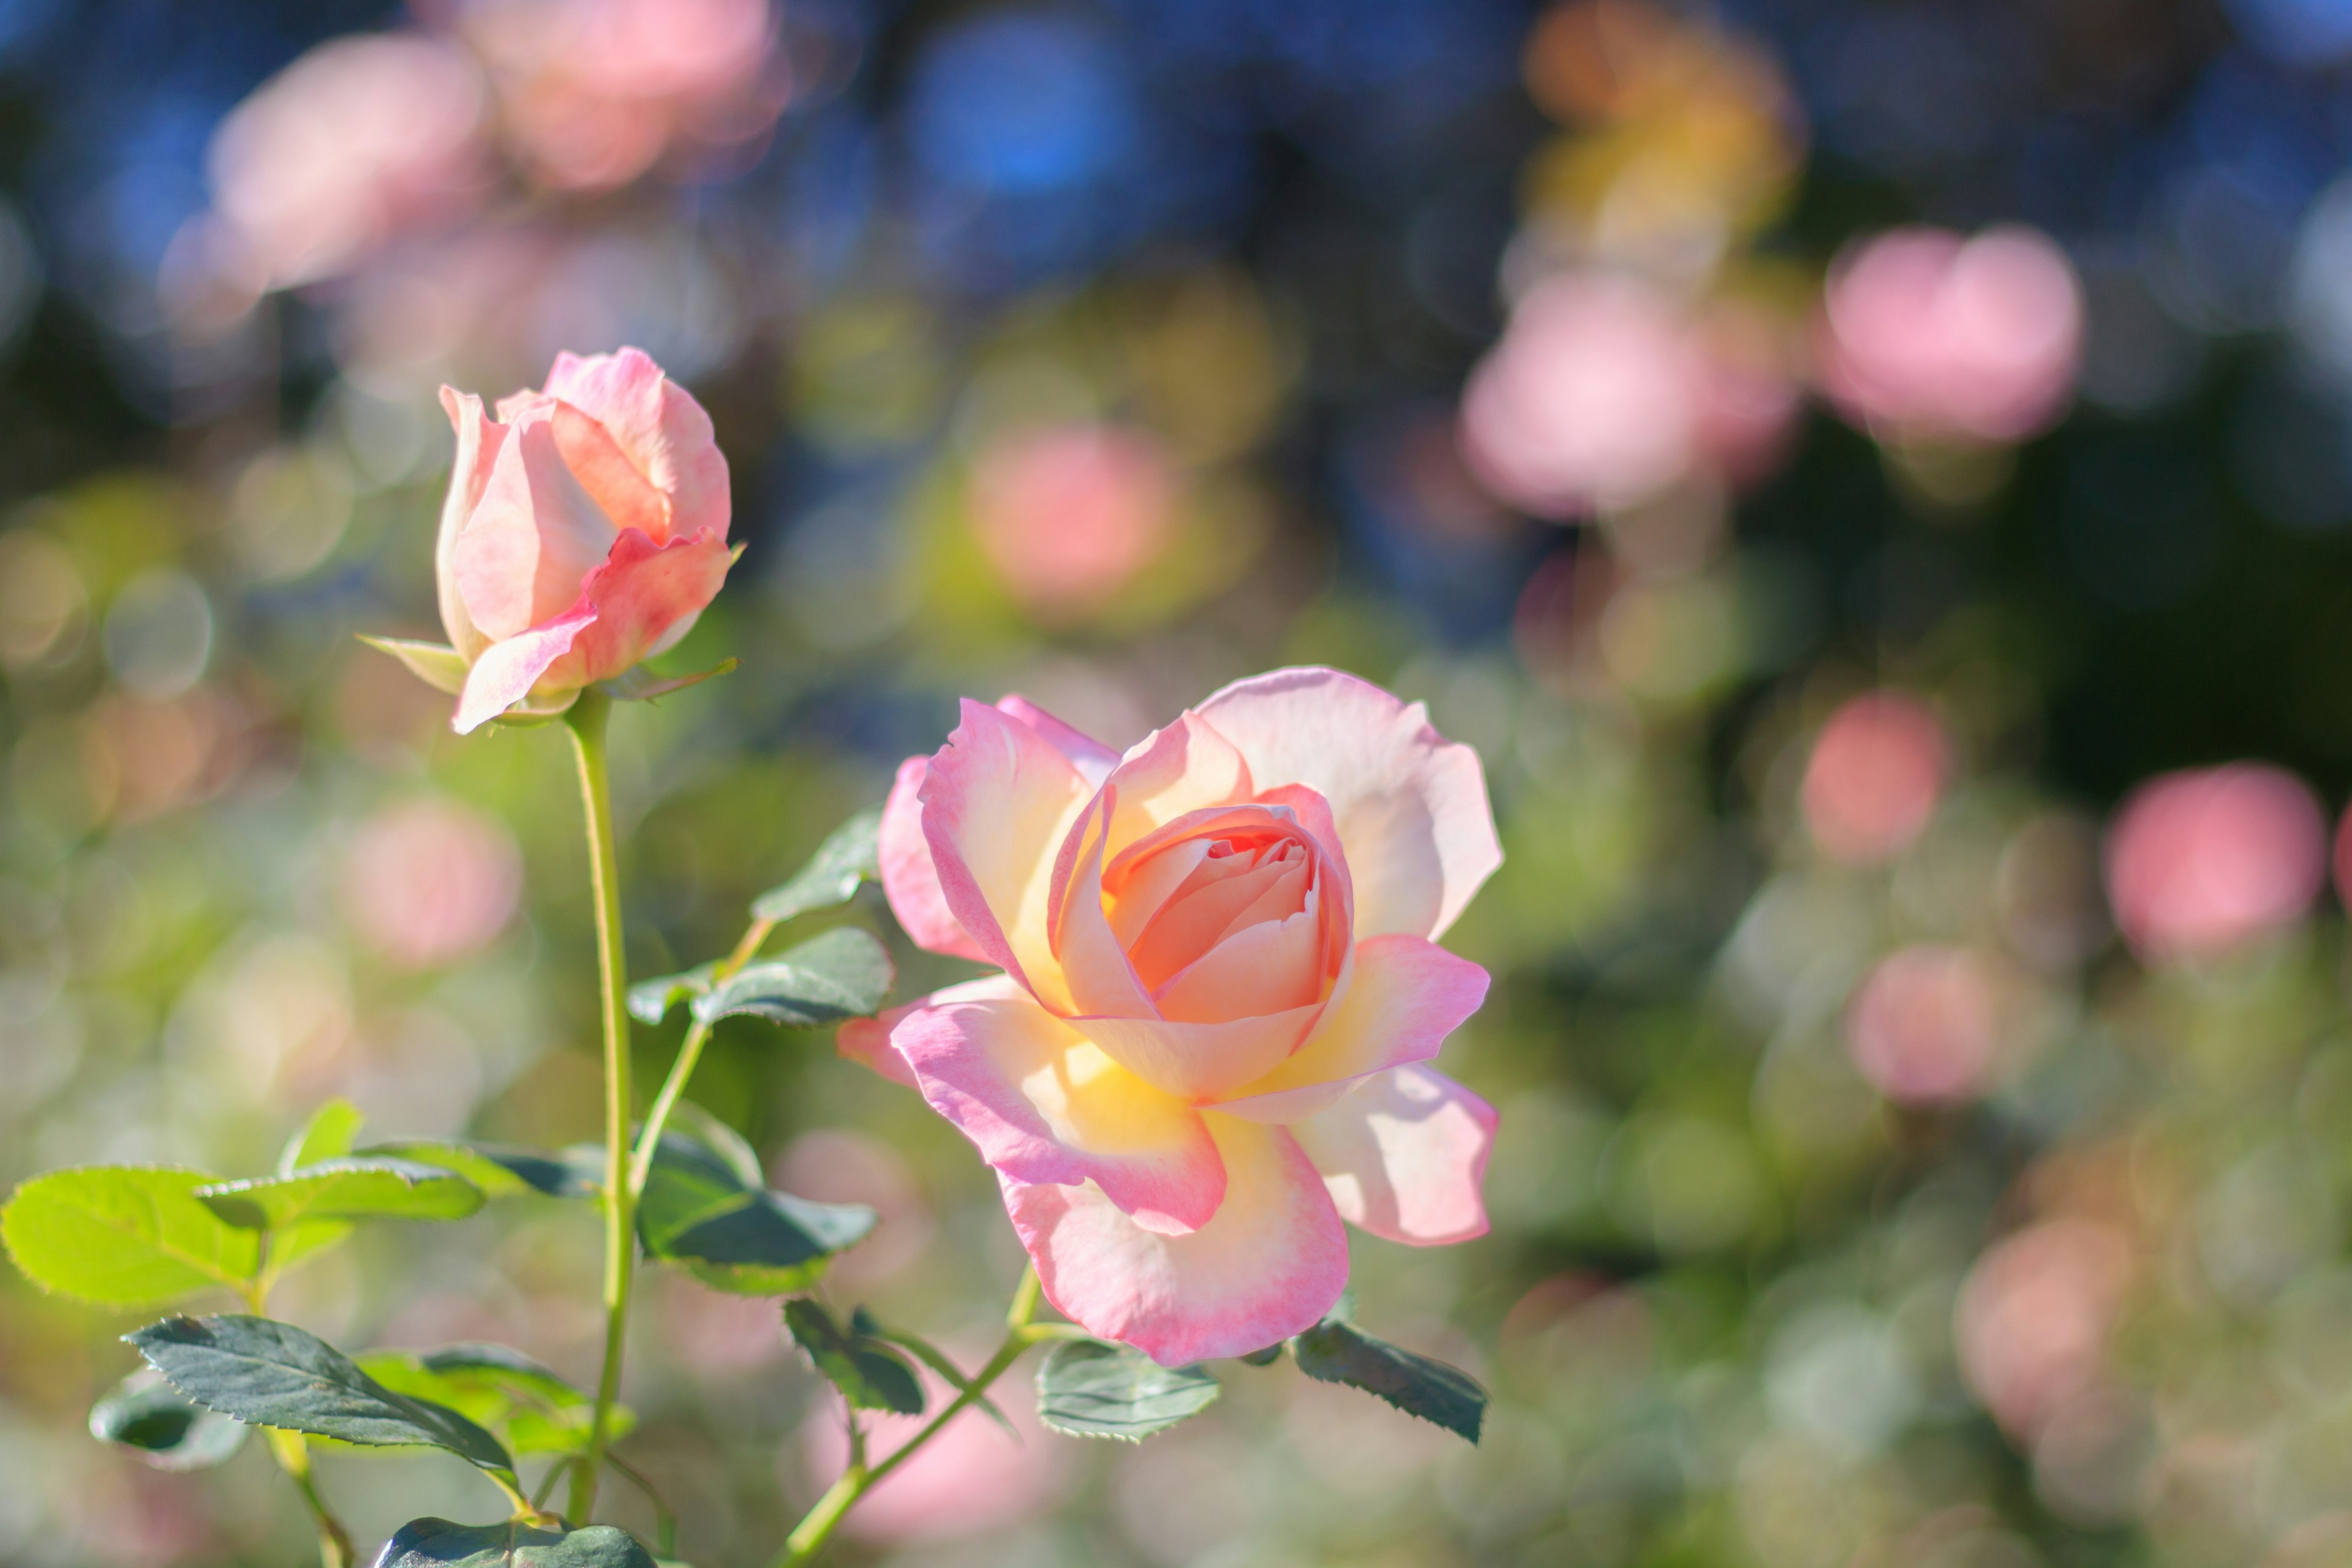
(997, 801)
(866, 1041)
(532, 538)
(909, 880)
(1093, 760)
(1404, 996)
(480, 439)
(658, 427)
(604, 472)
(1269, 1263)
(1410, 805)
(1184, 767)
(1042, 1103)
(508, 670)
(1404, 1156)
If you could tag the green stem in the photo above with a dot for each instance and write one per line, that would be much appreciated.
(586, 722)
(808, 1537)
(292, 1454)
(688, 1053)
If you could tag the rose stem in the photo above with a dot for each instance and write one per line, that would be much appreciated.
(808, 1537)
(586, 722)
(293, 1456)
(689, 1052)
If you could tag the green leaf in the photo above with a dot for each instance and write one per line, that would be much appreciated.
(269, 1373)
(651, 1000)
(529, 1408)
(328, 1135)
(1090, 1389)
(1265, 1357)
(502, 1171)
(147, 1413)
(699, 1212)
(438, 665)
(124, 1235)
(844, 973)
(343, 1189)
(869, 1373)
(438, 1543)
(850, 855)
(931, 1356)
(1334, 1352)
(637, 684)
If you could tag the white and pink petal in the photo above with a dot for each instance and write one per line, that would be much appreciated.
(1404, 1156)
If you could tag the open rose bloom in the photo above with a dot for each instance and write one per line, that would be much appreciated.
(1219, 990)
(585, 530)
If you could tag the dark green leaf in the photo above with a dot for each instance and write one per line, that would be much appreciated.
(1089, 1389)
(269, 1374)
(870, 1374)
(124, 1235)
(930, 1355)
(502, 1171)
(328, 1135)
(1333, 1351)
(371, 1187)
(699, 1213)
(438, 1543)
(850, 855)
(844, 973)
(651, 1000)
(1265, 1357)
(148, 1415)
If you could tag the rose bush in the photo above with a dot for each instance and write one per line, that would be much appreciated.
(1220, 988)
(585, 529)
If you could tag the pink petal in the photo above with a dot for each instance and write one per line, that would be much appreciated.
(1199, 1062)
(604, 472)
(909, 880)
(1224, 893)
(1410, 805)
(533, 537)
(866, 1041)
(1404, 1155)
(479, 443)
(1270, 1264)
(508, 670)
(1099, 978)
(1042, 1103)
(658, 424)
(997, 802)
(1269, 968)
(1403, 997)
(1093, 760)
(1185, 767)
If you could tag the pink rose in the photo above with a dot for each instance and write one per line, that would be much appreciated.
(584, 530)
(2201, 860)
(1219, 990)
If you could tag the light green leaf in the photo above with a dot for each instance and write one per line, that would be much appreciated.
(124, 1235)
(529, 1408)
(438, 665)
(328, 1135)
(502, 1170)
(699, 1212)
(349, 1188)
(1090, 1389)
(1336, 1351)
(148, 1415)
(269, 1373)
(438, 1543)
(637, 684)
(850, 855)
(651, 1000)
(844, 973)
(870, 1374)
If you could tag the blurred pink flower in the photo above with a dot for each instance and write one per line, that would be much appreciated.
(359, 140)
(836, 1166)
(974, 1476)
(2034, 1315)
(2200, 860)
(596, 91)
(428, 881)
(1068, 516)
(1927, 333)
(1605, 390)
(1924, 1027)
(1875, 776)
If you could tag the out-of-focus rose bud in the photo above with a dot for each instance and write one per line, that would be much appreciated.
(1875, 776)
(585, 530)
(355, 141)
(596, 91)
(2034, 1316)
(1926, 1026)
(1068, 516)
(1605, 390)
(2201, 860)
(426, 882)
(1926, 334)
